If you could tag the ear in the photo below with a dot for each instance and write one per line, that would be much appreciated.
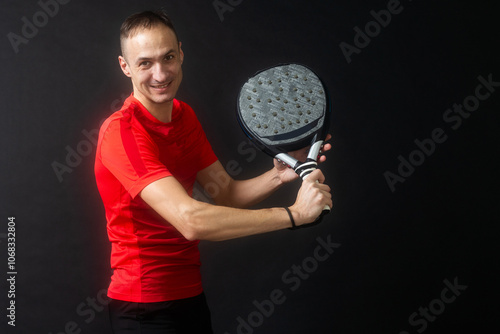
(124, 66)
(181, 54)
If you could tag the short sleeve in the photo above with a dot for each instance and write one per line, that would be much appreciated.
(131, 156)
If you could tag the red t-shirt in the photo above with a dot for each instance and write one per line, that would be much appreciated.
(152, 261)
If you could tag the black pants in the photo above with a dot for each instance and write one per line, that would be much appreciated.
(190, 315)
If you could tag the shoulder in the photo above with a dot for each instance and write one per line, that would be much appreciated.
(182, 107)
(184, 112)
(120, 122)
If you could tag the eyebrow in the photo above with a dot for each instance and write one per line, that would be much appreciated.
(141, 59)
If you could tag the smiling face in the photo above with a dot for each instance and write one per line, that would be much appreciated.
(153, 58)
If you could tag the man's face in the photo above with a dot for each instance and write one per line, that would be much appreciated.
(152, 59)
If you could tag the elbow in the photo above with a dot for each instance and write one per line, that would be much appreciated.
(190, 229)
(191, 235)
(191, 224)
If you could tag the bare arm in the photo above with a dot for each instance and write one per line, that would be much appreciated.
(246, 193)
(235, 193)
(201, 221)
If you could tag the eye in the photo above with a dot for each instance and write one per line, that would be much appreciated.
(169, 57)
(145, 63)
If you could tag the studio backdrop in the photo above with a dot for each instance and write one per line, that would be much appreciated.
(411, 245)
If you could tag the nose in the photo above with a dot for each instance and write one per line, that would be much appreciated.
(159, 73)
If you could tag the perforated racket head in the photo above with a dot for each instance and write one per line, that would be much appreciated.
(284, 108)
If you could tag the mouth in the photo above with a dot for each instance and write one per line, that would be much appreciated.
(160, 87)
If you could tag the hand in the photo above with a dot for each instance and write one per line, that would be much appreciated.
(311, 199)
(287, 174)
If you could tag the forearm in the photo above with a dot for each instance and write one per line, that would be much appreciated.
(246, 193)
(197, 220)
(204, 221)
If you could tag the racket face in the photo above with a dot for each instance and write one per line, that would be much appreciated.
(284, 108)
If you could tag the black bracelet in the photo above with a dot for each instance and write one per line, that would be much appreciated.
(291, 219)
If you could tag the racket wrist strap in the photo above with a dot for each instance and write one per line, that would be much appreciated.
(294, 227)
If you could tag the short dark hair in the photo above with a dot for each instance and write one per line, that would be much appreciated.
(144, 20)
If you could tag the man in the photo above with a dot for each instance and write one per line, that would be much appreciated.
(148, 157)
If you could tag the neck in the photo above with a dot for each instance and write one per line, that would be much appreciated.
(160, 111)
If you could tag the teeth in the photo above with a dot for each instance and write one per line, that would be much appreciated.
(163, 86)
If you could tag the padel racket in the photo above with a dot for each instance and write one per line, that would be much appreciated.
(283, 109)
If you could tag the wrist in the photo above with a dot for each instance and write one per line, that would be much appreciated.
(292, 219)
(276, 178)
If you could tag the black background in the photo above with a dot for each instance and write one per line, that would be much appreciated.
(396, 247)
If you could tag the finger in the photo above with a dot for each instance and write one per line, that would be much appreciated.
(330, 203)
(326, 147)
(316, 175)
(324, 188)
(325, 197)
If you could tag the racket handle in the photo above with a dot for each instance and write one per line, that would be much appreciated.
(306, 168)
(326, 210)
(303, 170)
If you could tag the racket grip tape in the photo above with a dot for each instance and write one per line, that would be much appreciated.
(306, 168)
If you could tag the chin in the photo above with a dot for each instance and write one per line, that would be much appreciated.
(159, 98)
(163, 99)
